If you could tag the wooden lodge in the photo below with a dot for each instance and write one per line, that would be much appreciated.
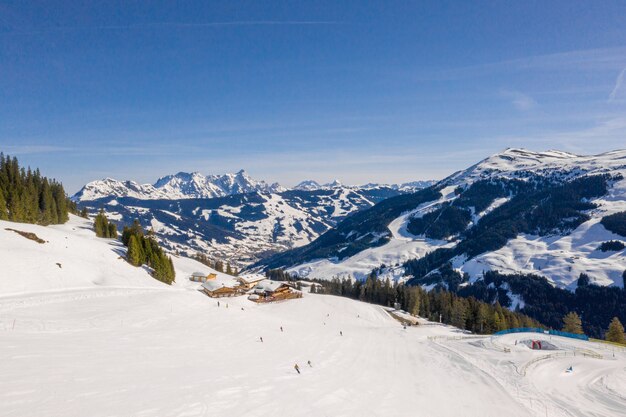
(202, 277)
(268, 291)
(249, 281)
(219, 289)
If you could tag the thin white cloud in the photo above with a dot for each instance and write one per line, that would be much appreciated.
(177, 25)
(577, 60)
(519, 100)
(32, 149)
(618, 85)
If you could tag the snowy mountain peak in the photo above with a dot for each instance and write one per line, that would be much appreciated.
(308, 185)
(521, 163)
(177, 186)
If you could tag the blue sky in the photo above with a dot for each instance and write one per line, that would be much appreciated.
(362, 91)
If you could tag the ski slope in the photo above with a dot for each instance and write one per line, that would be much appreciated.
(105, 339)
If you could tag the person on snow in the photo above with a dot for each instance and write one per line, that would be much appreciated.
(340, 333)
(281, 328)
(297, 368)
(218, 303)
(309, 363)
(261, 338)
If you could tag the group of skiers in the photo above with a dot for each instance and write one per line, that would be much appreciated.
(297, 368)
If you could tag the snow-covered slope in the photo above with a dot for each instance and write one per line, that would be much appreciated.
(514, 163)
(102, 338)
(73, 258)
(99, 337)
(559, 256)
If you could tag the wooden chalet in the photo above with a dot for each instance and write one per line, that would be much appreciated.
(202, 277)
(219, 289)
(268, 291)
(249, 281)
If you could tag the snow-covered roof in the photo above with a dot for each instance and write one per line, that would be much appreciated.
(250, 278)
(216, 285)
(199, 274)
(269, 286)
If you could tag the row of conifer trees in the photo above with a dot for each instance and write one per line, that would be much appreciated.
(28, 197)
(103, 227)
(144, 249)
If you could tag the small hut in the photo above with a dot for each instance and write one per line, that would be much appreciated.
(202, 277)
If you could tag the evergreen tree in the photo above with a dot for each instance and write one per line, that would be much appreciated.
(4, 214)
(134, 255)
(615, 333)
(112, 231)
(572, 323)
(84, 213)
(229, 270)
(28, 197)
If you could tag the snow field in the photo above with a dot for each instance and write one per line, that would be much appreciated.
(99, 337)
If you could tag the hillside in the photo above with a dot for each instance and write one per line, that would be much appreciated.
(536, 212)
(238, 227)
(99, 337)
(73, 259)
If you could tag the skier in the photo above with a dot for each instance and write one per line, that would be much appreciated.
(281, 328)
(340, 333)
(309, 363)
(297, 368)
(218, 303)
(261, 339)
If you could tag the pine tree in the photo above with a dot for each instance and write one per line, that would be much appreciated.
(134, 254)
(4, 214)
(229, 270)
(615, 333)
(112, 231)
(572, 323)
(84, 213)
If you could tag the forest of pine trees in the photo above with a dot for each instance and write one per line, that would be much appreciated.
(464, 313)
(103, 227)
(144, 249)
(28, 197)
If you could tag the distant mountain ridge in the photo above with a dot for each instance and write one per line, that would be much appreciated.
(178, 186)
(232, 216)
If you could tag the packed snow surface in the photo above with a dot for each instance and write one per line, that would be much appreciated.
(98, 337)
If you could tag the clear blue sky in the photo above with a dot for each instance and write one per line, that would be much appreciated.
(361, 91)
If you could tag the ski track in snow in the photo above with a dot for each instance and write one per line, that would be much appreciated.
(99, 337)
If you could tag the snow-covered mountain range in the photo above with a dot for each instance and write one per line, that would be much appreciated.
(233, 216)
(196, 185)
(515, 211)
(177, 186)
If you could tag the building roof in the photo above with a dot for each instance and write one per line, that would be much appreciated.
(215, 285)
(252, 278)
(199, 274)
(269, 286)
